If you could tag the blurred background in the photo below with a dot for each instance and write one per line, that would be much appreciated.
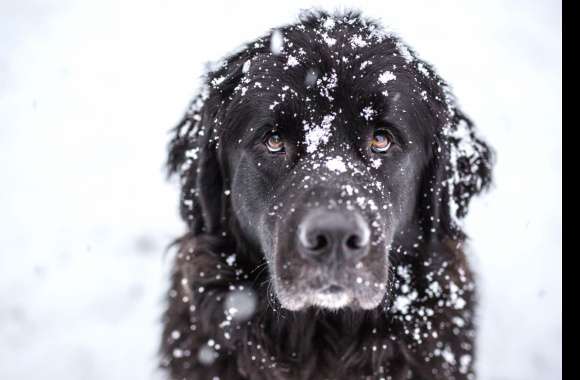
(88, 93)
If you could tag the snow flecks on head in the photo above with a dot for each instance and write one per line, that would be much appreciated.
(323, 84)
(368, 113)
(276, 42)
(363, 33)
(328, 40)
(215, 82)
(285, 93)
(327, 84)
(465, 140)
(376, 163)
(357, 41)
(377, 33)
(365, 64)
(318, 134)
(327, 27)
(405, 52)
(292, 61)
(386, 77)
(273, 105)
(329, 23)
(348, 190)
(336, 164)
(423, 70)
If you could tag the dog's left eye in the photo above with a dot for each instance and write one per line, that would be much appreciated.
(274, 142)
(381, 141)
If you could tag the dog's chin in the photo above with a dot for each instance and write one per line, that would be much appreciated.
(333, 301)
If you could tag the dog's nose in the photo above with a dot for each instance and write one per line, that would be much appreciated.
(324, 233)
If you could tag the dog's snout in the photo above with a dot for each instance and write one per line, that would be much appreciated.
(323, 234)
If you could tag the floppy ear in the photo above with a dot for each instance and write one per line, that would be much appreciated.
(194, 149)
(192, 155)
(461, 168)
(470, 161)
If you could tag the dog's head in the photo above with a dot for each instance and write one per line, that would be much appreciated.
(324, 146)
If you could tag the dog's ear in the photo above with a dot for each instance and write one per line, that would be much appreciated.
(470, 163)
(461, 163)
(194, 150)
(192, 156)
(461, 168)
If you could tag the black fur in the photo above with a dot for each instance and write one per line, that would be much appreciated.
(419, 330)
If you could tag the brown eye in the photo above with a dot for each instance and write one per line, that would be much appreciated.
(381, 141)
(274, 142)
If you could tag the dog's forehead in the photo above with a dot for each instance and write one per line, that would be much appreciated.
(316, 73)
(316, 62)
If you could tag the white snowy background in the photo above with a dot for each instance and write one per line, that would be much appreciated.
(88, 92)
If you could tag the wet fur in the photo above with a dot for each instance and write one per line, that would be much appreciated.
(317, 344)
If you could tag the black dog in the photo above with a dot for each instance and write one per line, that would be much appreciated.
(323, 169)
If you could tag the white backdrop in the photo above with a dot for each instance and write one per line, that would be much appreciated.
(88, 92)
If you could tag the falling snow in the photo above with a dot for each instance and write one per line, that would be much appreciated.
(75, 257)
(276, 42)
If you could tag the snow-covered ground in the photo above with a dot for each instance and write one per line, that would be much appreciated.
(88, 91)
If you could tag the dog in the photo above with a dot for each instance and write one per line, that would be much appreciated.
(324, 172)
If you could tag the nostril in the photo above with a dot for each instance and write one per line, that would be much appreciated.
(354, 242)
(320, 243)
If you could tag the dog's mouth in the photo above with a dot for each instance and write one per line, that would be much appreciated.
(332, 297)
(331, 300)
(353, 289)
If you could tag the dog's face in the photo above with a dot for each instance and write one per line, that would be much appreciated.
(326, 140)
(323, 181)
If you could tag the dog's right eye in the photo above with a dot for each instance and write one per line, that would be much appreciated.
(274, 142)
(381, 141)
